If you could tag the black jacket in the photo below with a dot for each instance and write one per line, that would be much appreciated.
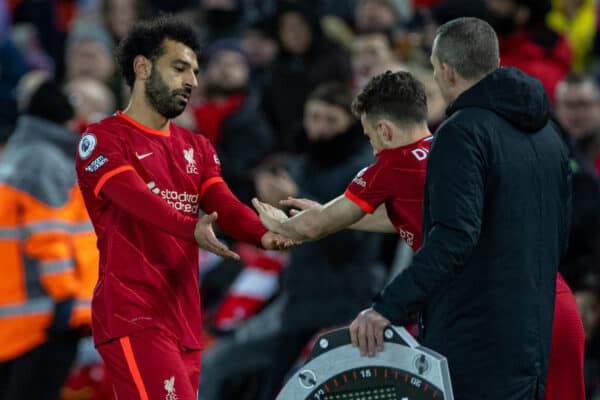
(245, 142)
(581, 262)
(496, 219)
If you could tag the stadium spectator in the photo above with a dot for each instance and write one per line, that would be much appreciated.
(577, 20)
(259, 44)
(221, 19)
(379, 15)
(578, 110)
(306, 58)
(119, 15)
(49, 262)
(89, 53)
(230, 116)
(91, 99)
(372, 54)
(527, 43)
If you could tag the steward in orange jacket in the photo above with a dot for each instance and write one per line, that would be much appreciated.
(48, 255)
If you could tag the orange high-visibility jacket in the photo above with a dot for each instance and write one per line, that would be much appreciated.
(48, 248)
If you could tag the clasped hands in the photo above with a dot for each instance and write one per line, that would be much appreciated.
(273, 217)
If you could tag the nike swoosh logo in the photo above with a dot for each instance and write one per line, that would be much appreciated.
(142, 156)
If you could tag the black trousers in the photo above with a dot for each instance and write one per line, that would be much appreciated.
(40, 373)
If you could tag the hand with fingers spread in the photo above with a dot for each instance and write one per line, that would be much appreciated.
(274, 241)
(366, 331)
(270, 216)
(206, 239)
(298, 205)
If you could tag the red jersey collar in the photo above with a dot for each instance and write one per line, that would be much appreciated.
(144, 128)
(409, 146)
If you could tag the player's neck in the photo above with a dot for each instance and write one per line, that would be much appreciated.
(139, 110)
(410, 134)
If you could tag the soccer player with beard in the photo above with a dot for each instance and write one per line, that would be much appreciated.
(144, 182)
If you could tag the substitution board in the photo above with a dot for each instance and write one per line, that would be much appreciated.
(404, 370)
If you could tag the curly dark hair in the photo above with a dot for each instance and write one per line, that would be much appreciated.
(147, 38)
(395, 95)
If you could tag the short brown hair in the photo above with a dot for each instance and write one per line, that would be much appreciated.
(396, 95)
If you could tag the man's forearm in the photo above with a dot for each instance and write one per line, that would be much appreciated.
(305, 226)
(379, 221)
(317, 222)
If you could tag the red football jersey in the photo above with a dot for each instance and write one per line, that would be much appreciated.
(397, 178)
(147, 276)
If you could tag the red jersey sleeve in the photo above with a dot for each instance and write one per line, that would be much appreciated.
(235, 218)
(100, 156)
(369, 188)
(128, 191)
(211, 166)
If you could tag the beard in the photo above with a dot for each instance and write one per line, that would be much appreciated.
(162, 98)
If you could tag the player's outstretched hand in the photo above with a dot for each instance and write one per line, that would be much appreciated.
(274, 241)
(299, 204)
(206, 239)
(366, 331)
(270, 216)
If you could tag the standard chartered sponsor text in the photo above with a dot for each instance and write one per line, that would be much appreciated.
(186, 202)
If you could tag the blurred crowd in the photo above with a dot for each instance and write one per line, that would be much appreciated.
(276, 83)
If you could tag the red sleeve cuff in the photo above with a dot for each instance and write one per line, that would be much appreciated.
(366, 207)
(208, 183)
(104, 178)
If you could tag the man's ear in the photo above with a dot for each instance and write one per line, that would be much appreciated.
(450, 74)
(142, 67)
(385, 130)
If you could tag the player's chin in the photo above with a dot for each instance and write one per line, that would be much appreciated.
(179, 106)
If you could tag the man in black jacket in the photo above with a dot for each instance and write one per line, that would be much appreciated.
(496, 219)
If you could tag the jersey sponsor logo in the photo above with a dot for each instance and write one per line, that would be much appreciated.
(420, 154)
(96, 164)
(87, 144)
(142, 156)
(358, 178)
(407, 236)
(185, 202)
(153, 188)
(191, 163)
(170, 388)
